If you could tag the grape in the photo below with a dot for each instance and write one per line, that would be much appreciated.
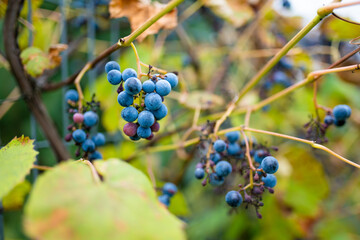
(130, 129)
(78, 118)
(132, 86)
(150, 137)
(269, 164)
(254, 141)
(269, 180)
(233, 149)
(148, 86)
(135, 138)
(328, 120)
(232, 136)
(233, 199)
(155, 127)
(143, 132)
(114, 77)
(219, 145)
(161, 112)
(90, 118)
(71, 95)
(215, 157)
(285, 63)
(215, 179)
(128, 73)
(129, 114)
(223, 168)
(199, 173)
(95, 155)
(163, 87)
(79, 135)
(153, 101)
(112, 65)
(339, 123)
(259, 155)
(169, 189)
(281, 78)
(164, 199)
(88, 146)
(341, 112)
(146, 119)
(125, 99)
(172, 79)
(68, 137)
(99, 139)
(286, 4)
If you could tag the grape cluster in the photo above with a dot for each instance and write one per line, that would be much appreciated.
(81, 126)
(338, 116)
(316, 129)
(229, 158)
(168, 191)
(150, 107)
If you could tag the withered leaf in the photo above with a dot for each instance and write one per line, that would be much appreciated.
(138, 11)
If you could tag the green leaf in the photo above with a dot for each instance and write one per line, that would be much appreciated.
(16, 160)
(67, 204)
(35, 61)
(16, 197)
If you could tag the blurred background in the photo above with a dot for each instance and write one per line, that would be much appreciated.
(216, 47)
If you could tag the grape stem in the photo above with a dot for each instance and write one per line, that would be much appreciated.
(247, 153)
(41, 167)
(94, 173)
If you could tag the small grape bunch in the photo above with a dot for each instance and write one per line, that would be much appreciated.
(168, 191)
(81, 126)
(142, 117)
(229, 157)
(339, 115)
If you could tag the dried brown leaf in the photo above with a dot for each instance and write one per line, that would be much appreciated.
(54, 54)
(138, 11)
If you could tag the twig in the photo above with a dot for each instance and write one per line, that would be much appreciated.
(41, 167)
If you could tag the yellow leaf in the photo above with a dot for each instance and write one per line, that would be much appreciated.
(138, 11)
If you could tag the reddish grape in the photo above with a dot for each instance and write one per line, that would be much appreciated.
(78, 118)
(155, 127)
(130, 129)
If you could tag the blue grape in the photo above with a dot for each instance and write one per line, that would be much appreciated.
(128, 73)
(215, 179)
(95, 155)
(161, 112)
(129, 114)
(153, 101)
(135, 138)
(164, 199)
(143, 132)
(259, 155)
(269, 164)
(223, 168)
(281, 78)
(215, 157)
(148, 86)
(169, 189)
(71, 95)
(88, 146)
(99, 139)
(125, 99)
(233, 199)
(232, 136)
(114, 77)
(163, 87)
(79, 135)
(132, 86)
(90, 118)
(199, 173)
(172, 79)
(341, 112)
(219, 145)
(269, 180)
(112, 65)
(233, 149)
(146, 119)
(339, 123)
(328, 120)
